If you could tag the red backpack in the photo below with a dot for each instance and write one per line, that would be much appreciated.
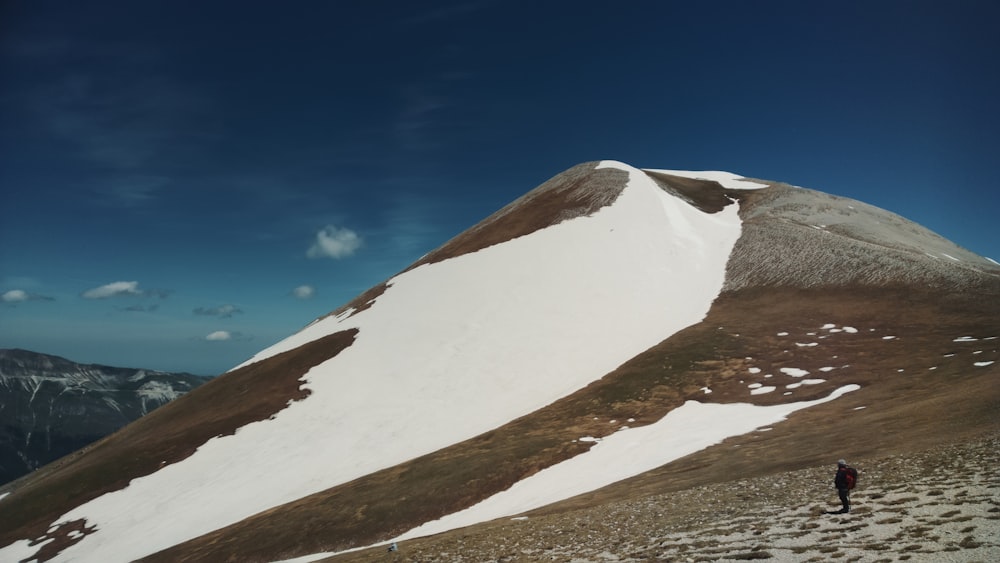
(851, 475)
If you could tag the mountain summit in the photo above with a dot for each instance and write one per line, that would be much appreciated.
(612, 324)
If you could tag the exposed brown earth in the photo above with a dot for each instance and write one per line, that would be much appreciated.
(706, 195)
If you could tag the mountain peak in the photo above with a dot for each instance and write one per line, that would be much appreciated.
(607, 300)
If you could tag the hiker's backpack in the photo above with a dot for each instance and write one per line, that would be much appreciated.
(851, 475)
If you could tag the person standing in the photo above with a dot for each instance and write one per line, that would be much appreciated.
(845, 480)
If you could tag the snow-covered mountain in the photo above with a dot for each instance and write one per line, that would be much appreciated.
(610, 325)
(51, 407)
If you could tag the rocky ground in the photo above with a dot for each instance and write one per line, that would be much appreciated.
(942, 504)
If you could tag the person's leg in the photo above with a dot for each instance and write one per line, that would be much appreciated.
(845, 499)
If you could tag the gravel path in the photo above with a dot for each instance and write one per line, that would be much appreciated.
(938, 505)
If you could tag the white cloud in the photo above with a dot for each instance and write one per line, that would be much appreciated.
(304, 292)
(334, 242)
(219, 335)
(15, 295)
(20, 295)
(113, 289)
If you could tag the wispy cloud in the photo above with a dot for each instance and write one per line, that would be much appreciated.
(133, 190)
(141, 308)
(304, 292)
(123, 124)
(20, 295)
(112, 104)
(334, 242)
(123, 288)
(422, 108)
(222, 311)
(113, 289)
(413, 223)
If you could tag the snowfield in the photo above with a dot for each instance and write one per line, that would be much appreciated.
(449, 351)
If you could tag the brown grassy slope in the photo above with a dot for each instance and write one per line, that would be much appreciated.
(167, 435)
(907, 405)
(905, 410)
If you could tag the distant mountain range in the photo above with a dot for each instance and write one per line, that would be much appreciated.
(51, 406)
(615, 333)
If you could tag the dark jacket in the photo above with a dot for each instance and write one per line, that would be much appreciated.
(840, 480)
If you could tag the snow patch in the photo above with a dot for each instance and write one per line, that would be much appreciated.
(798, 384)
(762, 390)
(160, 391)
(794, 372)
(983, 364)
(683, 431)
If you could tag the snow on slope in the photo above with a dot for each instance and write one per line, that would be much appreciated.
(449, 351)
(627, 453)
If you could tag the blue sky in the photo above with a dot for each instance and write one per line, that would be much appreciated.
(184, 183)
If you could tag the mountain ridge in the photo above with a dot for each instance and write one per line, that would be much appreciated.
(65, 405)
(661, 268)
